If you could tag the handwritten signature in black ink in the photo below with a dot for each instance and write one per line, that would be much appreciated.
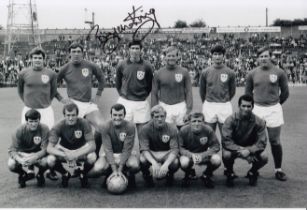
(110, 40)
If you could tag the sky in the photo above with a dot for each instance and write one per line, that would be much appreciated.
(110, 13)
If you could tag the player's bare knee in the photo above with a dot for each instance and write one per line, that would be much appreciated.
(174, 166)
(51, 160)
(101, 165)
(264, 158)
(143, 160)
(12, 164)
(133, 164)
(274, 141)
(215, 160)
(185, 162)
(226, 155)
(95, 119)
(100, 123)
(43, 162)
(91, 158)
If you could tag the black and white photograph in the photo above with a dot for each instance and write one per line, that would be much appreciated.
(153, 104)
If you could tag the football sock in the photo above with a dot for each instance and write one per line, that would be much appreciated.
(277, 155)
(59, 167)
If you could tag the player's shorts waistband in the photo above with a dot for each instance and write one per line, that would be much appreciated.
(48, 107)
(183, 103)
(216, 103)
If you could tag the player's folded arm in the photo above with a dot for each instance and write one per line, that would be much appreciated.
(184, 152)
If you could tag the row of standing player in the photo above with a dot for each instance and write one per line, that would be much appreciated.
(170, 87)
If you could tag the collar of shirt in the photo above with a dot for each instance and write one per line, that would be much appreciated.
(239, 118)
(171, 67)
(218, 67)
(139, 62)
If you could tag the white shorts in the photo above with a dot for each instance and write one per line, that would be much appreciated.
(272, 115)
(85, 107)
(117, 157)
(216, 112)
(136, 111)
(160, 156)
(175, 113)
(60, 147)
(47, 116)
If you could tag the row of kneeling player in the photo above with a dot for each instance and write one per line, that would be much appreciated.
(158, 150)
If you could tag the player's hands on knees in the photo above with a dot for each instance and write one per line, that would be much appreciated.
(120, 173)
(65, 101)
(196, 158)
(30, 160)
(116, 173)
(163, 170)
(22, 161)
(251, 159)
(156, 169)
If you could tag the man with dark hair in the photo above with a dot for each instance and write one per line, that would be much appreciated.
(71, 141)
(217, 88)
(28, 148)
(269, 86)
(78, 75)
(198, 146)
(244, 136)
(133, 83)
(159, 148)
(37, 87)
(172, 89)
(75, 45)
(118, 139)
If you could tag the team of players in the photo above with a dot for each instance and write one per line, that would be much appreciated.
(158, 140)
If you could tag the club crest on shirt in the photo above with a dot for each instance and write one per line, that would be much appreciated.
(165, 138)
(178, 77)
(78, 134)
(273, 78)
(85, 72)
(203, 140)
(140, 75)
(122, 136)
(37, 139)
(224, 77)
(45, 78)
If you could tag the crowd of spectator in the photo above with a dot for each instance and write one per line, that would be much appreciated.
(289, 54)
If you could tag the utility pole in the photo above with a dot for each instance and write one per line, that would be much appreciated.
(22, 25)
(266, 17)
(92, 22)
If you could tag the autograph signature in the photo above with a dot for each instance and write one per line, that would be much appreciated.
(109, 41)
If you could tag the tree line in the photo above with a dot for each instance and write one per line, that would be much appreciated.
(289, 23)
(277, 22)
